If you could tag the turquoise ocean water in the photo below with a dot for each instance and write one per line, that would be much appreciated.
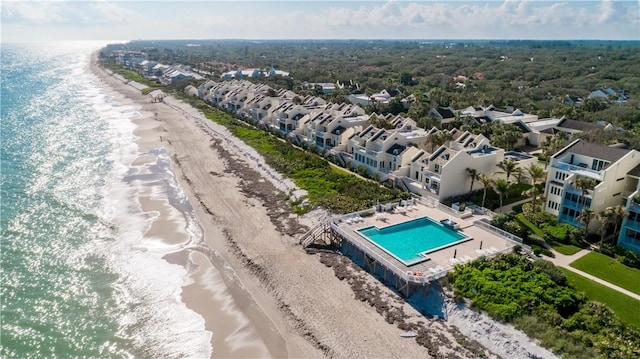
(77, 278)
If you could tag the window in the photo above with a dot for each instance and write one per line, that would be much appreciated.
(561, 176)
(597, 164)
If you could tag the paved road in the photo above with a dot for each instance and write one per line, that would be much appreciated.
(563, 261)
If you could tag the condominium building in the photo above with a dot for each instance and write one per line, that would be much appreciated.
(611, 169)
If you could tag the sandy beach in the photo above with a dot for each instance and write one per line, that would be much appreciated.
(293, 304)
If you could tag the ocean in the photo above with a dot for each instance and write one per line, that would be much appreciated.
(78, 278)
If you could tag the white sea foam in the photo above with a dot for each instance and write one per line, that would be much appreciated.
(148, 288)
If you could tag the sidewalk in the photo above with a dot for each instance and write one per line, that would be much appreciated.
(563, 261)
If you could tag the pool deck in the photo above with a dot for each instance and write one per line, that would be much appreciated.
(440, 261)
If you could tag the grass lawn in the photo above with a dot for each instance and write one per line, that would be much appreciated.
(566, 249)
(609, 269)
(625, 307)
(537, 231)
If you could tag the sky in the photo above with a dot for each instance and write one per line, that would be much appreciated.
(23, 21)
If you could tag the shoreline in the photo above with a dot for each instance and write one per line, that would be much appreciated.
(249, 335)
(322, 305)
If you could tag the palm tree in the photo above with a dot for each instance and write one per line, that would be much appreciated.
(473, 173)
(604, 217)
(553, 144)
(585, 218)
(536, 173)
(617, 214)
(501, 186)
(509, 167)
(486, 183)
(585, 184)
(438, 139)
(548, 149)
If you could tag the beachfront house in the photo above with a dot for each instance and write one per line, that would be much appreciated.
(441, 172)
(205, 88)
(591, 176)
(385, 152)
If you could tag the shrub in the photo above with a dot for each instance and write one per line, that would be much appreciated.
(548, 268)
(499, 220)
(514, 227)
(608, 250)
(538, 218)
(536, 240)
(559, 231)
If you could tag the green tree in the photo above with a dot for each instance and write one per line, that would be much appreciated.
(617, 215)
(536, 173)
(604, 217)
(438, 139)
(509, 167)
(501, 187)
(486, 183)
(473, 174)
(585, 184)
(585, 218)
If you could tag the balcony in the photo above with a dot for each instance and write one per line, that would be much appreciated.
(629, 243)
(431, 175)
(631, 224)
(578, 191)
(573, 205)
(582, 171)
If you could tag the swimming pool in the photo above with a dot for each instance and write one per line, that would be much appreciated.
(411, 241)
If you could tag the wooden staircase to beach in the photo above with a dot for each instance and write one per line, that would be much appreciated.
(320, 231)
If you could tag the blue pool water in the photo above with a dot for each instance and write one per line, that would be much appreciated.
(408, 240)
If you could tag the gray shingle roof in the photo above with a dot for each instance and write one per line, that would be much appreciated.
(611, 154)
(578, 125)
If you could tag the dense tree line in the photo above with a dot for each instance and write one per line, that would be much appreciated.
(534, 76)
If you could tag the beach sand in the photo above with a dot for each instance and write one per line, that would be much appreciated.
(293, 304)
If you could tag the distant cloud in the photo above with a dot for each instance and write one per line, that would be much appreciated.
(510, 17)
(70, 13)
(314, 19)
(31, 12)
(611, 11)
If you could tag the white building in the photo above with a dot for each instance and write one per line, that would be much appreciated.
(611, 169)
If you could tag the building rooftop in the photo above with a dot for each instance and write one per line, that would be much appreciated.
(580, 147)
(578, 125)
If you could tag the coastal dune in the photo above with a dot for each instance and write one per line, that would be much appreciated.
(293, 304)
